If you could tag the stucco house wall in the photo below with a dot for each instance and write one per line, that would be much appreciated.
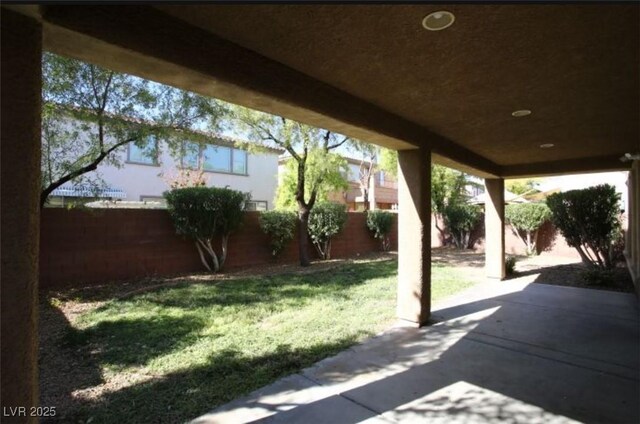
(141, 181)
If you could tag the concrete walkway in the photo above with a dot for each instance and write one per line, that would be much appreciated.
(500, 352)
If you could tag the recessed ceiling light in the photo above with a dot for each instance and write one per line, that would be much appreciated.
(439, 20)
(547, 145)
(520, 113)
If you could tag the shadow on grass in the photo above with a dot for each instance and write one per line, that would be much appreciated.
(132, 332)
(290, 288)
(136, 341)
(184, 395)
(64, 368)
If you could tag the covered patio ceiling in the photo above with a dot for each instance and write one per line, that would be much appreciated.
(374, 72)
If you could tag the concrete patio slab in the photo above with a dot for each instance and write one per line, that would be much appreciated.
(502, 351)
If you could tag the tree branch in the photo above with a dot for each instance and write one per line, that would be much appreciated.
(87, 168)
(333, 146)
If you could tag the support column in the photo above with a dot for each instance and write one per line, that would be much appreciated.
(20, 185)
(632, 238)
(414, 235)
(494, 228)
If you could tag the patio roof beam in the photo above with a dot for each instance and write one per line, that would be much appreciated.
(146, 42)
(560, 167)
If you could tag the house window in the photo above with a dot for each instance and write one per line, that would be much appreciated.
(239, 161)
(217, 158)
(191, 155)
(214, 158)
(256, 205)
(145, 153)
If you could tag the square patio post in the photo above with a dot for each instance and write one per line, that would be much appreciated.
(414, 236)
(632, 239)
(20, 144)
(494, 228)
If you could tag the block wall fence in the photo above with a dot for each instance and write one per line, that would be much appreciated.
(84, 247)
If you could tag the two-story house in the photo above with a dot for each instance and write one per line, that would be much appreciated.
(383, 188)
(148, 170)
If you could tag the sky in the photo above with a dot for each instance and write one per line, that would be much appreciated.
(578, 181)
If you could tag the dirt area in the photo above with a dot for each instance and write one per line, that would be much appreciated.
(545, 269)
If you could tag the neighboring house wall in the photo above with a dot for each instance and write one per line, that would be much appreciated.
(144, 181)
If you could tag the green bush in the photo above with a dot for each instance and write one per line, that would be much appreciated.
(598, 277)
(380, 223)
(510, 265)
(202, 213)
(525, 220)
(589, 219)
(325, 221)
(460, 219)
(280, 226)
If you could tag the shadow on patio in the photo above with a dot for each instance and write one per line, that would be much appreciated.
(513, 352)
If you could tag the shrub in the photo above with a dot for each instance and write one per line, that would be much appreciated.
(460, 218)
(325, 221)
(510, 265)
(280, 226)
(202, 213)
(598, 277)
(380, 223)
(525, 220)
(589, 219)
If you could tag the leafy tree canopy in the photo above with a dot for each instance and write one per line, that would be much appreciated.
(90, 112)
(313, 168)
(325, 171)
(522, 185)
(388, 161)
(589, 219)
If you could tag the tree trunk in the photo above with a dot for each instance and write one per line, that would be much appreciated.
(441, 230)
(223, 257)
(365, 198)
(303, 236)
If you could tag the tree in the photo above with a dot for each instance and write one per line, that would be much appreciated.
(203, 213)
(460, 218)
(90, 112)
(380, 223)
(330, 166)
(185, 177)
(369, 154)
(525, 220)
(447, 190)
(522, 185)
(305, 144)
(280, 226)
(326, 220)
(388, 161)
(589, 219)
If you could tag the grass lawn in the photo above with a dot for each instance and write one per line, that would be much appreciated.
(173, 353)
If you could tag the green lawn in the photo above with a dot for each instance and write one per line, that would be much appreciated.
(206, 344)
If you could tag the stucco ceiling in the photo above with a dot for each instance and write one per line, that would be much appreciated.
(576, 67)
(374, 73)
